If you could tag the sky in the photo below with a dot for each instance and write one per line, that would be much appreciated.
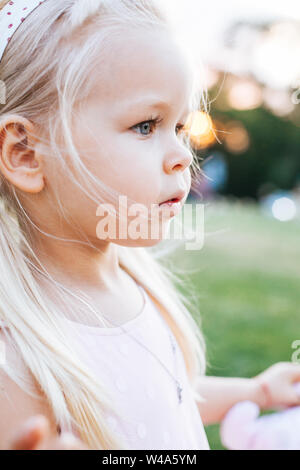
(201, 24)
(203, 21)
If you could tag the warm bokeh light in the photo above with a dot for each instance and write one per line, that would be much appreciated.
(236, 138)
(278, 101)
(200, 129)
(245, 94)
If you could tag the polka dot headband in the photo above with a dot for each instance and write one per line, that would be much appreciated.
(12, 16)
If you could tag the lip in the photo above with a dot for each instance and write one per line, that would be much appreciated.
(175, 198)
(174, 204)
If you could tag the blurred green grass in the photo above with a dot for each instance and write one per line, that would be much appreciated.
(246, 281)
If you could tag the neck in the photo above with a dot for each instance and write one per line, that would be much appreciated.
(80, 266)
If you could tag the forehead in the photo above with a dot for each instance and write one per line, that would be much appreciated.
(143, 67)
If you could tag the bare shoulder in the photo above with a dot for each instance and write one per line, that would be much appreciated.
(16, 404)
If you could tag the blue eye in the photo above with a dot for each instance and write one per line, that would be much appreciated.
(152, 123)
(147, 125)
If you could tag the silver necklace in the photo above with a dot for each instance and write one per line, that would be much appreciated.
(179, 389)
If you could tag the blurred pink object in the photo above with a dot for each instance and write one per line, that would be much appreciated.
(243, 428)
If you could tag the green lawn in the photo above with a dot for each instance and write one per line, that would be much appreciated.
(247, 283)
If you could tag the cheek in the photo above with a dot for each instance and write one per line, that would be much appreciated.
(122, 163)
(140, 184)
(132, 172)
(188, 178)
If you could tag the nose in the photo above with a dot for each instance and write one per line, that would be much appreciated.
(177, 160)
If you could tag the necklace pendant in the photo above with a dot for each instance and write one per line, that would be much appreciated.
(179, 393)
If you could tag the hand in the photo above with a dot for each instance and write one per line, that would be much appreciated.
(34, 434)
(275, 386)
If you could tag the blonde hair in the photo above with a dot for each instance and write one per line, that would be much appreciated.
(46, 75)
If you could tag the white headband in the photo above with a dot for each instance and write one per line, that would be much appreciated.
(12, 16)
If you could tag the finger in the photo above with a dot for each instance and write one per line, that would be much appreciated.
(296, 390)
(294, 372)
(31, 433)
(291, 395)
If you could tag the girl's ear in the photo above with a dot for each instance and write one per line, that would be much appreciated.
(20, 163)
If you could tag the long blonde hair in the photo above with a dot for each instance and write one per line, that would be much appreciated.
(45, 75)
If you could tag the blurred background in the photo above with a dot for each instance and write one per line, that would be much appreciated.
(246, 279)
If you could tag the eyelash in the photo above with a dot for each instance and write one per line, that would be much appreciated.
(156, 121)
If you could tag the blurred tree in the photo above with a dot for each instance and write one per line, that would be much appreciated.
(272, 158)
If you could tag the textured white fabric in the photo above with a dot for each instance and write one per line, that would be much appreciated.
(140, 386)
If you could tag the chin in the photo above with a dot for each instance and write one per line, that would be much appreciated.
(138, 235)
(140, 243)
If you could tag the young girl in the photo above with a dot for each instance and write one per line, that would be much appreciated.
(101, 351)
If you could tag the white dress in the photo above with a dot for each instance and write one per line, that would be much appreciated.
(141, 386)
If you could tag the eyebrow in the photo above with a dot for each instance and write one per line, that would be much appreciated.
(152, 104)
